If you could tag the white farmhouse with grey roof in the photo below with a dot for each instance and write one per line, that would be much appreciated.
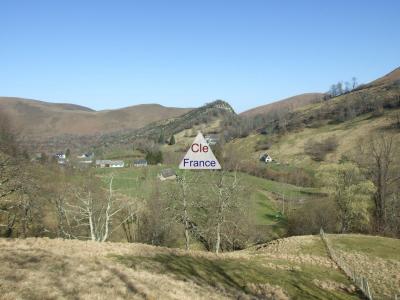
(110, 163)
(266, 158)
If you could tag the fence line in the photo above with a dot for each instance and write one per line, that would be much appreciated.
(360, 281)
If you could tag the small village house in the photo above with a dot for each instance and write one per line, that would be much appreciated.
(140, 163)
(167, 174)
(86, 158)
(87, 155)
(266, 158)
(61, 158)
(110, 163)
(62, 161)
(60, 155)
(212, 139)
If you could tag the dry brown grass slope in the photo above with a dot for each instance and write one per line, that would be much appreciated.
(42, 119)
(388, 78)
(288, 103)
(293, 268)
(70, 269)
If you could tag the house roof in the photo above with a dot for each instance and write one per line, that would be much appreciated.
(212, 136)
(109, 162)
(168, 173)
(140, 161)
(265, 155)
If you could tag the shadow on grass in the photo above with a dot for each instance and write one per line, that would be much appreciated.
(130, 285)
(234, 277)
(225, 275)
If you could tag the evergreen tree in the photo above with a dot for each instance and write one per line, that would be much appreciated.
(172, 140)
(154, 157)
(161, 139)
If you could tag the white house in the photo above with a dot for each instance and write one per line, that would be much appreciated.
(110, 163)
(266, 158)
(86, 158)
(212, 139)
(88, 155)
(62, 161)
(60, 155)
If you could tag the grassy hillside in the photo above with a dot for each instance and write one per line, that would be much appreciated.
(295, 268)
(390, 77)
(289, 148)
(376, 258)
(290, 103)
(370, 109)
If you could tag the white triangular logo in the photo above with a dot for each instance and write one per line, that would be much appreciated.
(200, 156)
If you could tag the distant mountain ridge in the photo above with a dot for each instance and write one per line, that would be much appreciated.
(50, 105)
(39, 119)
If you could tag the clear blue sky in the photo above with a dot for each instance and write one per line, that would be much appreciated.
(110, 54)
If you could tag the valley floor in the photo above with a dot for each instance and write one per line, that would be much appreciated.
(291, 268)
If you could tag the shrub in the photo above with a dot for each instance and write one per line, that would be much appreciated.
(154, 157)
(172, 140)
(377, 110)
(313, 215)
(318, 150)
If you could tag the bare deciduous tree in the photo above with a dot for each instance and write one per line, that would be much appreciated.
(379, 155)
(180, 204)
(226, 192)
(94, 214)
(354, 82)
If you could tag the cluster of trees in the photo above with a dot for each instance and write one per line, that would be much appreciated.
(363, 192)
(150, 148)
(154, 157)
(358, 103)
(17, 186)
(275, 121)
(211, 210)
(351, 192)
(341, 87)
(40, 199)
(295, 175)
(379, 156)
(207, 209)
